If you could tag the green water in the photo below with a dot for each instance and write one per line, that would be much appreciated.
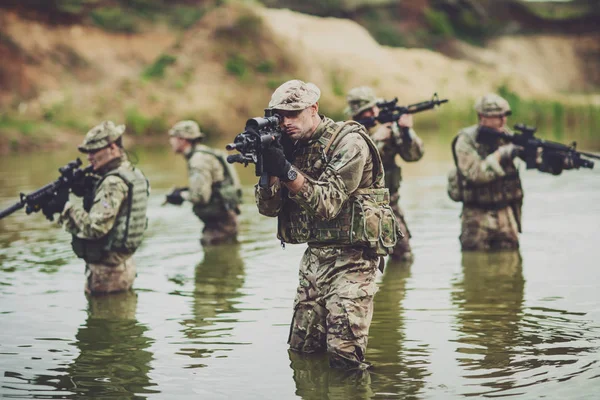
(214, 324)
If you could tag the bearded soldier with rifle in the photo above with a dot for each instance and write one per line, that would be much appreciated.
(486, 180)
(390, 126)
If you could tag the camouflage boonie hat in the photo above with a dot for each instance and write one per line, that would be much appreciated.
(492, 105)
(360, 99)
(101, 136)
(186, 130)
(294, 95)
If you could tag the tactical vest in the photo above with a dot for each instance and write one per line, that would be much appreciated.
(499, 193)
(365, 219)
(225, 195)
(131, 222)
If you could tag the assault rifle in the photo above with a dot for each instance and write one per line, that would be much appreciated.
(390, 111)
(259, 134)
(530, 143)
(70, 175)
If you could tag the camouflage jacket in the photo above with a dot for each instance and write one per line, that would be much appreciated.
(204, 170)
(101, 218)
(396, 144)
(351, 168)
(476, 161)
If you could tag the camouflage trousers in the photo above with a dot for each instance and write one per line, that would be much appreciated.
(489, 230)
(114, 274)
(221, 229)
(333, 307)
(402, 250)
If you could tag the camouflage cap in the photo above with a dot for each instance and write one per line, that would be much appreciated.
(360, 99)
(101, 136)
(186, 130)
(492, 105)
(294, 95)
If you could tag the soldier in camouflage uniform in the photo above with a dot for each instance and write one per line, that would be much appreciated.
(487, 181)
(214, 188)
(392, 139)
(109, 227)
(331, 196)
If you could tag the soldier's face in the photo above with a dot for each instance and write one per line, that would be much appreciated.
(300, 125)
(178, 144)
(370, 113)
(498, 123)
(100, 158)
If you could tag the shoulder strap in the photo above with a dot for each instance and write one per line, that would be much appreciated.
(374, 152)
(221, 160)
(336, 132)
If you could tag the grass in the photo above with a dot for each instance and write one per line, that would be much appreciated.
(157, 69)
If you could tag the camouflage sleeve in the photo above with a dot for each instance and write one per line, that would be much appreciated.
(268, 200)
(203, 169)
(411, 149)
(101, 218)
(470, 164)
(326, 196)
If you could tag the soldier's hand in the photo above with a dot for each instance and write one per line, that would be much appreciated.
(57, 204)
(406, 121)
(384, 132)
(509, 151)
(175, 197)
(275, 163)
(552, 162)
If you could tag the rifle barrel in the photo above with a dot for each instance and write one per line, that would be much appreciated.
(12, 209)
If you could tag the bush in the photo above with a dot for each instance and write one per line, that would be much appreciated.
(236, 65)
(185, 17)
(439, 23)
(114, 19)
(157, 70)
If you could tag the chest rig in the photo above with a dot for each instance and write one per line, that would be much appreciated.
(365, 218)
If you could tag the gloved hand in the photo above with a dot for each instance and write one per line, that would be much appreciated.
(57, 204)
(82, 184)
(509, 151)
(175, 196)
(553, 163)
(275, 163)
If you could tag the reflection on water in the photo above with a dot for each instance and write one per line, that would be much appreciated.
(213, 323)
(113, 360)
(112, 363)
(218, 279)
(490, 300)
(315, 380)
(502, 344)
(399, 366)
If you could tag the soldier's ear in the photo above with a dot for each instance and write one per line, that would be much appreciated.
(315, 107)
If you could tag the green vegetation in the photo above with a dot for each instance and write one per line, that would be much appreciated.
(113, 19)
(438, 22)
(139, 124)
(237, 65)
(549, 116)
(157, 70)
(11, 123)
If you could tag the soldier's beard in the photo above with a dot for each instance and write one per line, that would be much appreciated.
(102, 157)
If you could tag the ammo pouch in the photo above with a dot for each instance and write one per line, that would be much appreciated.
(91, 251)
(373, 222)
